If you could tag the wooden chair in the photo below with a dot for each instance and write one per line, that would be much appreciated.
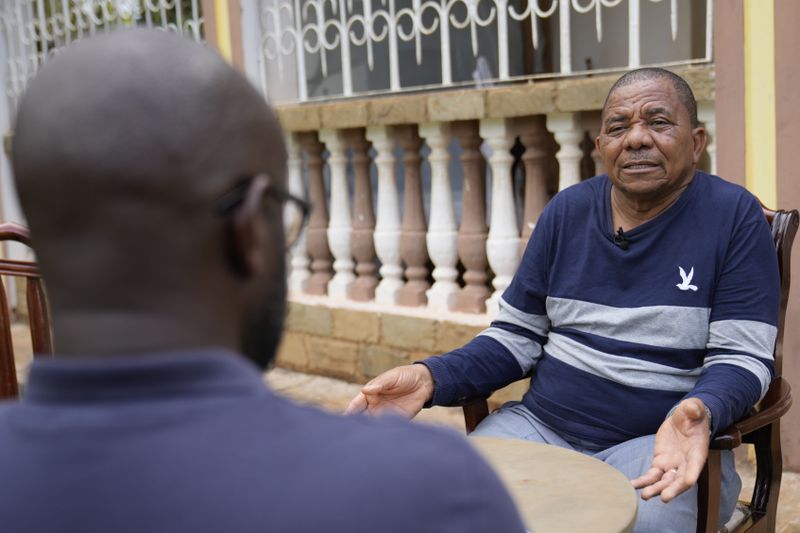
(760, 428)
(38, 315)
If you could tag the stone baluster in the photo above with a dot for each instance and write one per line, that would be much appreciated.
(363, 288)
(537, 164)
(339, 226)
(706, 115)
(473, 231)
(566, 129)
(317, 231)
(387, 225)
(442, 238)
(299, 255)
(413, 249)
(502, 246)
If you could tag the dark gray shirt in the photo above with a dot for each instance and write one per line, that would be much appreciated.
(195, 442)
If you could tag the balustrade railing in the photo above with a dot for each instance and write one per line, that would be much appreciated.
(34, 30)
(322, 49)
(429, 245)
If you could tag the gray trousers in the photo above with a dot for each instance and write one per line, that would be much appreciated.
(632, 458)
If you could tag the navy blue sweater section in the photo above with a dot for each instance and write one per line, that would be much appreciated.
(689, 308)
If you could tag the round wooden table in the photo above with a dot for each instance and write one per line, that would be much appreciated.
(558, 490)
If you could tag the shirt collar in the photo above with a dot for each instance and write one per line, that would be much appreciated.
(146, 376)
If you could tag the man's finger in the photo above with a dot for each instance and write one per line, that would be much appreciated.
(357, 404)
(694, 464)
(675, 489)
(656, 488)
(382, 383)
(648, 478)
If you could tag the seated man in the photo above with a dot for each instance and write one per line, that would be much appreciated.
(153, 178)
(645, 306)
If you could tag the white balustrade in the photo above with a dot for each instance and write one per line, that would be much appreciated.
(387, 221)
(707, 115)
(442, 236)
(339, 226)
(299, 263)
(502, 246)
(567, 130)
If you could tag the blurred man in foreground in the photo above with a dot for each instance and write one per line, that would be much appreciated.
(153, 179)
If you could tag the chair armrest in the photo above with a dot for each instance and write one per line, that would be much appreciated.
(476, 408)
(470, 401)
(775, 404)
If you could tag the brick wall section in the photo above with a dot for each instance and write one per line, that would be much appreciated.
(356, 345)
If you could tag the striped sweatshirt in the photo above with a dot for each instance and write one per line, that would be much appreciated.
(615, 338)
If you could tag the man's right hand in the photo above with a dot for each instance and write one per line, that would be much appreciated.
(402, 390)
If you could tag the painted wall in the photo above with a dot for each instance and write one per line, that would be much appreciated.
(787, 113)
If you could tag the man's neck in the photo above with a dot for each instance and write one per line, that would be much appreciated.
(90, 333)
(629, 212)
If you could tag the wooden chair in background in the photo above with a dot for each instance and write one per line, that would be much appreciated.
(760, 428)
(38, 315)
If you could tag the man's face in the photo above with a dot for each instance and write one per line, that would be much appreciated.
(647, 141)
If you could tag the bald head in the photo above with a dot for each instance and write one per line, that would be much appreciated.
(142, 113)
(122, 146)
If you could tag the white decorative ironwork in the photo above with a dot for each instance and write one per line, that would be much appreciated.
(34, 30)
(292, 31)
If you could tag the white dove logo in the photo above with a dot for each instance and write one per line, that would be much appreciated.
(686, 284)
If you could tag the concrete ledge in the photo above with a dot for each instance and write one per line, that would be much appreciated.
(580, 93)
(356, 343)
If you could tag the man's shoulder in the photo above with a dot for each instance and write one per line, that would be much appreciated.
(718, 187)
(587, 190)
(404, 476)
(719, 196)
(582, 197)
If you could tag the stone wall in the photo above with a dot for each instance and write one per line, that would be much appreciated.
(357, 344)
(567, 94)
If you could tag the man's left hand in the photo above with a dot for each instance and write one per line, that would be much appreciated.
(680, 451)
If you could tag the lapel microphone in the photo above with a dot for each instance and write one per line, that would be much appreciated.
(620, 239)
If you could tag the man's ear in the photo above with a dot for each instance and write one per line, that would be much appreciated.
(247, 236)
(247, 233)
(700, 138)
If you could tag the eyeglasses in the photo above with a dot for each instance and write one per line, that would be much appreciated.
(295, 209)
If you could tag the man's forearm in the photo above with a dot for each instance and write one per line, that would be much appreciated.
(477, 369)
(729, 392)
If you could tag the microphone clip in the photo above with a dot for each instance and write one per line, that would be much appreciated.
(621, 240)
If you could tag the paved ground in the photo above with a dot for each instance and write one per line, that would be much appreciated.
(334, 395)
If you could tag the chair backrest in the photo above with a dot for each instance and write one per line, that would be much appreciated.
(38, 314)
(784, 226)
